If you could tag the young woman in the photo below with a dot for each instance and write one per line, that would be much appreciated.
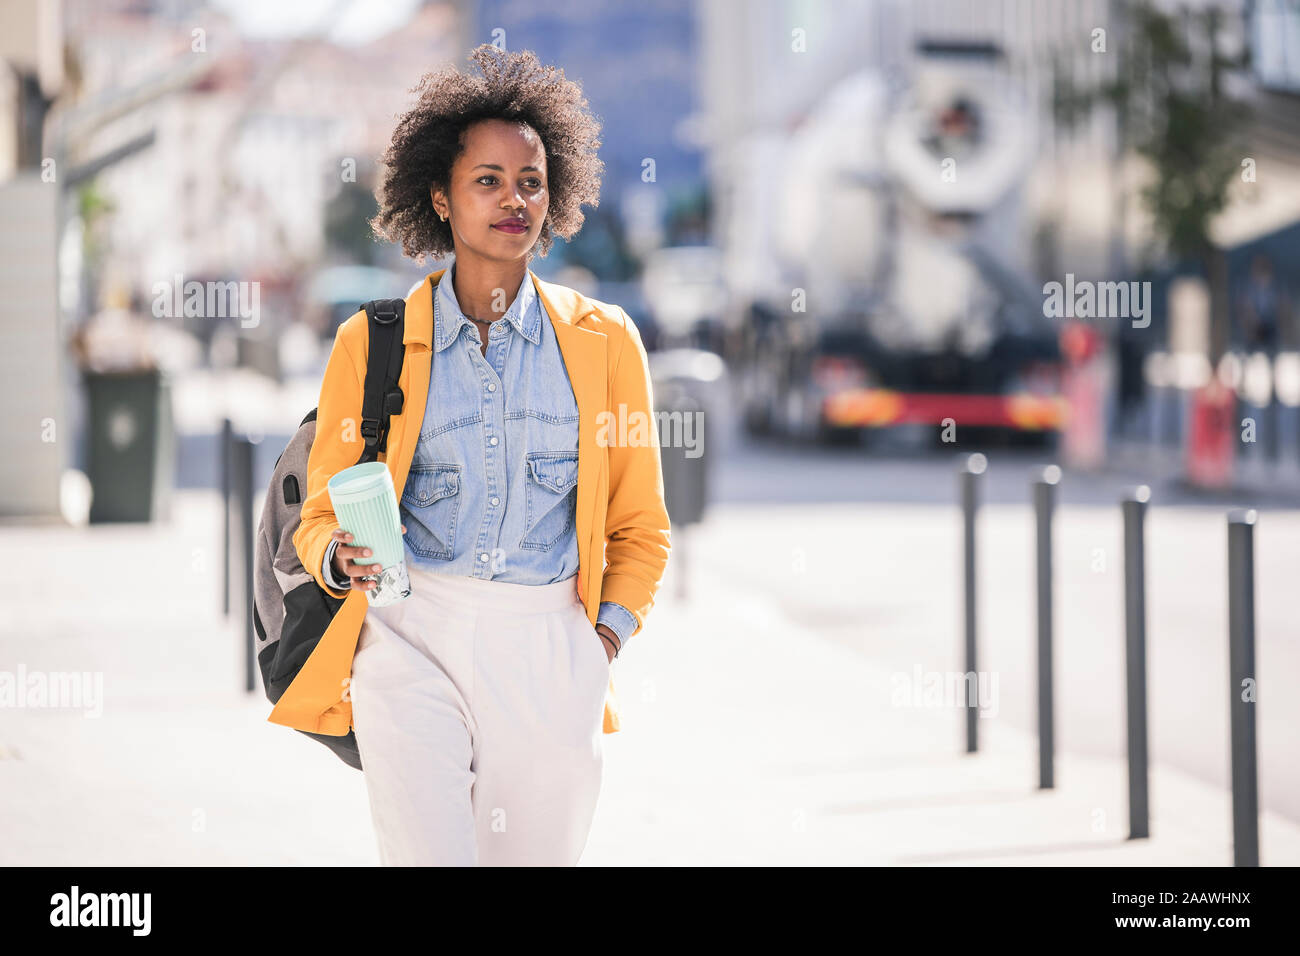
(479, 701)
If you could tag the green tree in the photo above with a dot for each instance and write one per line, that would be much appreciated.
(1172, 108)
(347, 223)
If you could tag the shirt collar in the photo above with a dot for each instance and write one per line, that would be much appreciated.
(522, 314)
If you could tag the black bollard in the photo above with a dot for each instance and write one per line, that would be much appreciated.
(223, 454)
(1273, 438)
(973, 466)
(1044, 501)
(242, 478)
(1134, 507)
(1242, 686)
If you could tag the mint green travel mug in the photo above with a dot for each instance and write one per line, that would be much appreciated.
(365, 504)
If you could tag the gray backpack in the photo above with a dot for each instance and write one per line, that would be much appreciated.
(291, 612)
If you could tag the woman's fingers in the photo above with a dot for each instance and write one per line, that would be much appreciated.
(362, 569)
(345, 565)
(358, 572)
(346, 552)
(364, 560)
(349, 551)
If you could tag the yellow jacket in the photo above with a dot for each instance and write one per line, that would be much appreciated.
(622, 523)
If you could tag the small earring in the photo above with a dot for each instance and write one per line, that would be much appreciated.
(442, 217)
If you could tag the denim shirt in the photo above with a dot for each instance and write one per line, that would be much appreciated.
(492, 488)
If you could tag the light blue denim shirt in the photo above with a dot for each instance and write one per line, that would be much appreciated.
(492, 489)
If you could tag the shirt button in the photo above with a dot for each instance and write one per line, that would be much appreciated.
(492, 440)
(492, 387)
(495, 500)
(483, 556)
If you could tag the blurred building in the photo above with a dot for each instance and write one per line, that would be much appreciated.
(35, 433)
(246, 156)
(775, 70)
(756, 89)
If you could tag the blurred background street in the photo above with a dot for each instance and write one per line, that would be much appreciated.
(865, 241)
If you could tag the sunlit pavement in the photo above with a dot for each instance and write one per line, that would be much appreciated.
(761, 723)
(760, 716)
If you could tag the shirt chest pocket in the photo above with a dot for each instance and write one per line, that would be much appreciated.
(550, 493)
(432, 500)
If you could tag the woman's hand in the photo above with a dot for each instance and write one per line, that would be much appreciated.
(611, 646)
(345, 568)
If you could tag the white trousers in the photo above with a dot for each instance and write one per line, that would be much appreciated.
(478, 707)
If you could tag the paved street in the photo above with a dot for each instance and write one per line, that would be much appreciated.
(759, 712)
(761, 703)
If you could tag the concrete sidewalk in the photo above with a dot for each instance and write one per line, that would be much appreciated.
(749, 738)
(1257, 479)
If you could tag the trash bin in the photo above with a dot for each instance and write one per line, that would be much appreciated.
(685, 478)
(681, 380)
(132, 453)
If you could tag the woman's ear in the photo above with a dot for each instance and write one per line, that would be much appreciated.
(439, 203)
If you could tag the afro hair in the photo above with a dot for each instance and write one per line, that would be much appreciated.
(428, 138)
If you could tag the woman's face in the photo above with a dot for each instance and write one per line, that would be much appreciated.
(498, 180)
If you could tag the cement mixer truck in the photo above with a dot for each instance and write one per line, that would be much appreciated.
(888, 283)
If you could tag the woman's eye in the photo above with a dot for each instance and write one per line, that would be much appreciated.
(534, 183)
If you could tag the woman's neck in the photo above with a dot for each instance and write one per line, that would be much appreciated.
(477, 283)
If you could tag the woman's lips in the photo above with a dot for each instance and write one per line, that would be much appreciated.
(513, 228)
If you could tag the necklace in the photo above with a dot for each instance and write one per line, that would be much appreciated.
(470, 317)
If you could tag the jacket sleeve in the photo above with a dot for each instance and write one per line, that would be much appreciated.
(338, 444)
(636, 522)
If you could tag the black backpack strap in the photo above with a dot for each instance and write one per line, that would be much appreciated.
(383, 398)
